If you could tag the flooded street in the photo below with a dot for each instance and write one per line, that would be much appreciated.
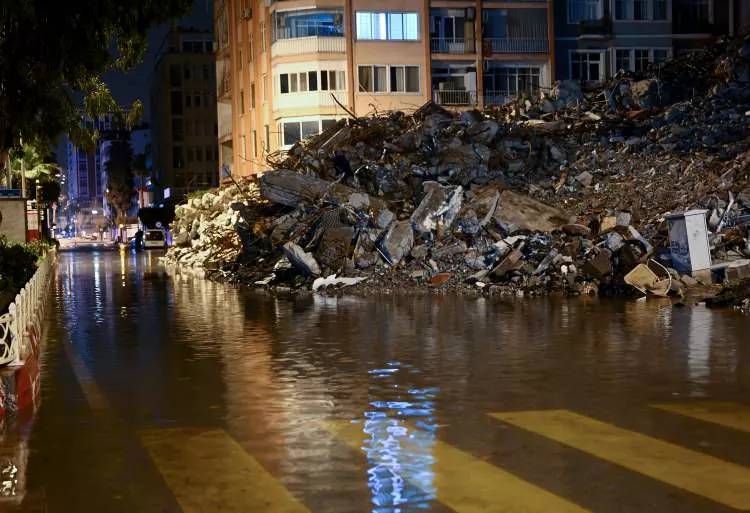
(166, 396)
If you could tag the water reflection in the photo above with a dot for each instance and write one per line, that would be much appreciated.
(400, 429)
(271, 371)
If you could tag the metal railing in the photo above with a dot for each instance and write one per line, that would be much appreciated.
(517, 45)
(25, 314)
(497, 97)
(457, 46)
(303, 45)
(452, 97)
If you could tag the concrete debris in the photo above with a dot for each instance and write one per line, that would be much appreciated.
(334, 281)
(566, 192)
(305, 262)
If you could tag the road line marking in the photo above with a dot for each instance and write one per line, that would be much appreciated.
(727, 414)
(698, 473)
(469, 485)
(207, 470)
(91, 391)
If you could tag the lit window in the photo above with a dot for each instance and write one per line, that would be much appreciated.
(392, 26)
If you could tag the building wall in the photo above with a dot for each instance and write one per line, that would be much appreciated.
(184, 114)
(611, 34)
(253, 114)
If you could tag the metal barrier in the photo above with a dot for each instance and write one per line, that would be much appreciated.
(453, 97)
(25, 314)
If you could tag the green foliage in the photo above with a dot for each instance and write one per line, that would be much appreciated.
(120, 186)
(54, 52)
(18, 262)
(38, 162)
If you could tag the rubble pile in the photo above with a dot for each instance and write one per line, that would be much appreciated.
(565, 193)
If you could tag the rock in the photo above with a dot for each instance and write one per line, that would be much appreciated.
(599, 266)
(556, 153)
(577, 230)
(385, 218)
(301, 260)
(439, 206)
(615, 241)
(585, 178)
(509, 263)
(359, 201)
(738, 270)
(397, 242)
(519, 212)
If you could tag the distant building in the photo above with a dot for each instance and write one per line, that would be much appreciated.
(84, 177)
(287, 71)
(183, 114)
(596, 38)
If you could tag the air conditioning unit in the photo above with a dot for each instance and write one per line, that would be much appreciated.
(247, 13)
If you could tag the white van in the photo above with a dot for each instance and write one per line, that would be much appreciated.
(155, 239)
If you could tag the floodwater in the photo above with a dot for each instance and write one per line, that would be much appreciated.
(163, 396)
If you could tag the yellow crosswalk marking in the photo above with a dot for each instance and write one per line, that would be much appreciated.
(731, 415)
(469, 485)
(208, 471)
(698, 473)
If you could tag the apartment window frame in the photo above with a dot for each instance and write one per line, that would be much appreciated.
(388, 78)
(596, 5)
(301, 122)
(602, 63)
(522, 74)
(384, 23)
(311, 81)
(632, 57)
(650, 10)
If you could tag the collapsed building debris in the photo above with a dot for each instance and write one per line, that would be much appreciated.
(565, 193)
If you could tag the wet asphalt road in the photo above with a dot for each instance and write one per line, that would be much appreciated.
(164, 396)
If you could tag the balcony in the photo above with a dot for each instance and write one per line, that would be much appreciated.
(309, 99)
(308, 45)
(516, 45)
(453, 46)
(454, 97)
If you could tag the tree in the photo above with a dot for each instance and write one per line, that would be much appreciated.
(54, 52)
(37, 163)
(118, 169)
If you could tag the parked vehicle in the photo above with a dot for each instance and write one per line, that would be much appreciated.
(155, 239)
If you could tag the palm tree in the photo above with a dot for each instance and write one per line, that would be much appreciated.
(37, 166)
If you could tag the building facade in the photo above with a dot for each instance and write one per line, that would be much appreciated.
(85, 180)
(287, 70)
(183, 114)
(596, 38)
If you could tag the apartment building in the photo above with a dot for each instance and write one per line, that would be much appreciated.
(85, 176)
(596, 38)
(183, 114)
(287, 70)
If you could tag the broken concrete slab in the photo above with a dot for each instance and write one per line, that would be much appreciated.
(518, 212)
(397, 243)
(303, 261)
(290, 188)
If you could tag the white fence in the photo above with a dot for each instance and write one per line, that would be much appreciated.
(25, 314)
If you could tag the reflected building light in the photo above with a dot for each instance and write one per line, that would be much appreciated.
(399, 444)
(699, 348)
